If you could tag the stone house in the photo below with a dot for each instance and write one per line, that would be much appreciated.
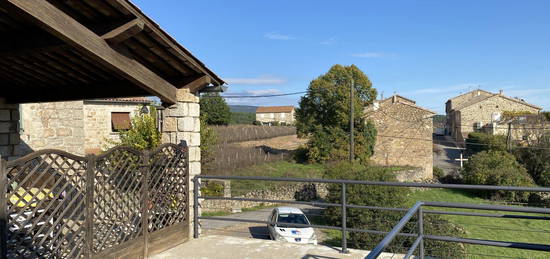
(281, 114)
(477, 109)
(79, 127)
(404, 135)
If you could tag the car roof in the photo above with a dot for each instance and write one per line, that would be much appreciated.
(289, 210)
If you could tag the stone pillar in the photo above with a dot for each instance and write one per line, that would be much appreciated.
(181, 122)
(9, 130)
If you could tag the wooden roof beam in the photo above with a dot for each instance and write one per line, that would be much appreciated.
(197, 84)
(124, 32)
(58, 23)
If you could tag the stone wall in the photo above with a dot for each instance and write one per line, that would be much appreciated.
(300, 192)
(404, 136)
(78, 127)
(9, 130)
(181, 123)
(97, 123)
(57, 125)
(483, 112)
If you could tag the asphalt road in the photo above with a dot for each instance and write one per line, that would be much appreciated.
(445, 154)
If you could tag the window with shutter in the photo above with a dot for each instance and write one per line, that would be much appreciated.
(120, 121)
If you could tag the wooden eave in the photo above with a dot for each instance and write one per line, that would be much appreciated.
(58, 50)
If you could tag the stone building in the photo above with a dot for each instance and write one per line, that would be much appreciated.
(478, 109)
(281, 114)
(404, 135)
(79, 127)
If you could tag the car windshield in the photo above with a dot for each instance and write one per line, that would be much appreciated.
(292, 219)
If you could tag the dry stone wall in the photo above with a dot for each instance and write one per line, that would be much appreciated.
(9, 130)
(299, 192)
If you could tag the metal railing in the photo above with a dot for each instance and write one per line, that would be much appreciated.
(419, 242)
(416, 209)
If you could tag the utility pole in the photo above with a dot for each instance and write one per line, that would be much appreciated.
(351, 123)
(509, 137)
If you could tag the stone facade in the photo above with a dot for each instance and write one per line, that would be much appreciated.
(9, 130)
(181, 122)
(478, 109)
(404, 135)
(78, 127)
(281, 114)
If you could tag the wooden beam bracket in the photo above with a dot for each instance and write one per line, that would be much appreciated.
(124, 32)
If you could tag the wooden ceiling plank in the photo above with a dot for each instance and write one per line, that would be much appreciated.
(83, 64)
(12, 75)
(62, 67)
(103, 7)
(151, 56)
(77, 35)
(124, 32)
(163, 38)
(75, 67)
(43, 70)
(161, 53)
(19, 70)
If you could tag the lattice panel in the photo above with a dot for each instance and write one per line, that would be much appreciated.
(117, 198)
(46, 206)
(168, 187)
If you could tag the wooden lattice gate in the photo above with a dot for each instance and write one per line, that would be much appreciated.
(124, 203)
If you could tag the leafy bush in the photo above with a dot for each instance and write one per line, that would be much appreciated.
(208, 140)
(536, 159)
(212, 188)
(438, 172)
(477, 142)
(143, 133)
(497, 168)
(380, 220)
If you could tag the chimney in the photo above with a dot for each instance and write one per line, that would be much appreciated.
(500, 91)
(394, 98)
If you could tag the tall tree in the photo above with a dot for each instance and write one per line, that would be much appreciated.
(324, 115)
(215, 109)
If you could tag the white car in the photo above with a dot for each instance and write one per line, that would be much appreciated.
(290, 215)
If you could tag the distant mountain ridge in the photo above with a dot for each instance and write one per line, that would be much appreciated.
(243, 108)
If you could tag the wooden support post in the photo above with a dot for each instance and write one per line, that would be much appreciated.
(145, 202)
(89, 205)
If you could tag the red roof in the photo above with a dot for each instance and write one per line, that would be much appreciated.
(265, 109)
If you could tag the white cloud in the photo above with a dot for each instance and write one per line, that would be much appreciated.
(278, 36)
(262, 92)
(369, 55)
(262, 80)
(329, 41)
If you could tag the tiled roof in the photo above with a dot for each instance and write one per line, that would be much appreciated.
(265, 109)
(126, 100)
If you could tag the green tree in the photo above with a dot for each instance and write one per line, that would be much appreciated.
(323, 115)
(536, 159)
(208, 141)
(215, 108)
(478, 141)
(143, 133)
(497, 168)
(381, 220)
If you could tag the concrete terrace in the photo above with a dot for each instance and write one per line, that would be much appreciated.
(227, 247)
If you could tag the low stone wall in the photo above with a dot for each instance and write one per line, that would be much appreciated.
(299, 192)
(410, 175)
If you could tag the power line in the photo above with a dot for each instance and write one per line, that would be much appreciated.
(258, 96)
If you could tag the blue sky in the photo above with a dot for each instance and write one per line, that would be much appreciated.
(426, 50)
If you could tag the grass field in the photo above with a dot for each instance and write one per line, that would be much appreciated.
(518, 230)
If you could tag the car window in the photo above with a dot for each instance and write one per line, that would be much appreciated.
(292, 218)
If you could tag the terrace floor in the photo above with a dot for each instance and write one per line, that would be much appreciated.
(227, 247)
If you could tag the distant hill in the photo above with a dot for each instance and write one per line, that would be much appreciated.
(243, 108)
